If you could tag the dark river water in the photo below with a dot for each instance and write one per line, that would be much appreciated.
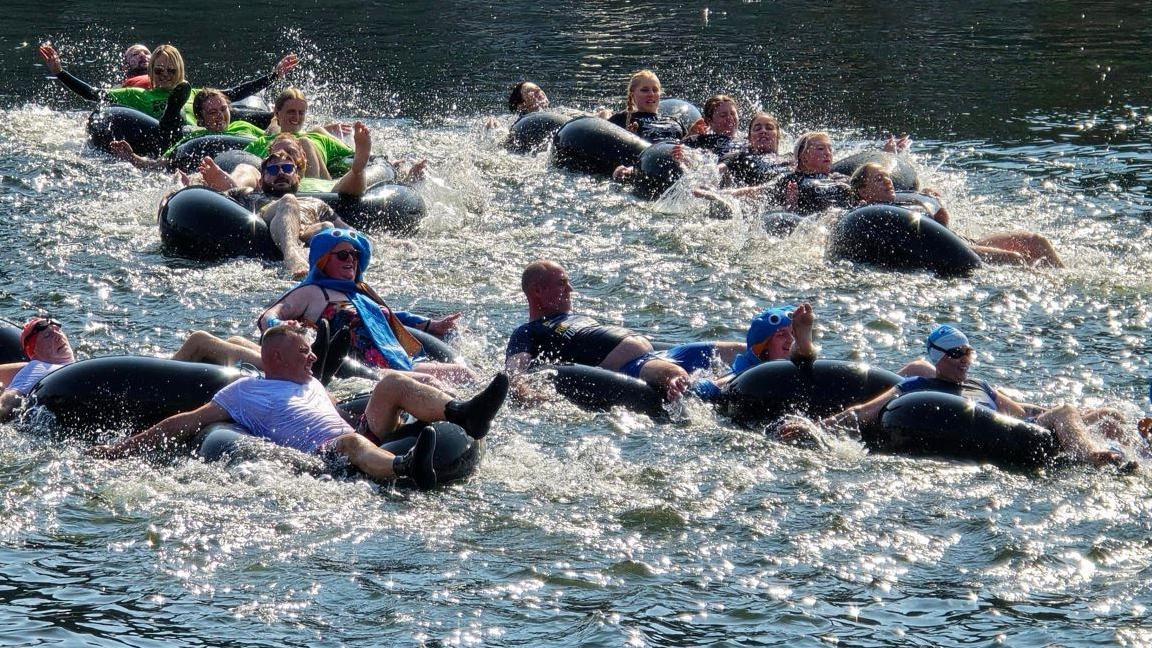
(606, 529)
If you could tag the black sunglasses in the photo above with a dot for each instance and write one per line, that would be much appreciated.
(283, 168)
(43, 325)
(344, 255)
(955, 354)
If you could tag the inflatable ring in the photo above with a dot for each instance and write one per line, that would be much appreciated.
(682, 111)
(657, 170)
(124, 392)
(188, 155)
(595, 146)
(229, 160)
(10, 347)
(456, 456)
(599, 390)
(897, 238)
(904, 176)
(747, 169)
(199, 223)
(942, 425)
(254, 110)
(119, 123)
(770, 390)
(534, 131)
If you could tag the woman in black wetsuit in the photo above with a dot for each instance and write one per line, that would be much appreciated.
(759, 161)
(642, 115)
(812, 186)
(716, 130)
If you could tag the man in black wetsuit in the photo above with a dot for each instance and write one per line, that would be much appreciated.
(952, 357)
(557, 335)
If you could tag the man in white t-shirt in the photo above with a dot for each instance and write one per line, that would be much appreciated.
(291, 408)
(47, 348)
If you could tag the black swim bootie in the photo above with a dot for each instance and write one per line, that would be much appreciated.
(475, 415)
(416, 464)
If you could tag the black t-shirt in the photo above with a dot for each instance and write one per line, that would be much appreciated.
(567, 338)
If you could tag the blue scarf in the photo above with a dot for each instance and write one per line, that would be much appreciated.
(382, 325)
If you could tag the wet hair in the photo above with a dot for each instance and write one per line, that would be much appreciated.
(712, 104)
(516, 97)
(202, 98)
(860, 176)
(173, 54)
(763, 115)
(536, 272)
(803, 141)
(636, 79)
(300, 160)
(286, 95)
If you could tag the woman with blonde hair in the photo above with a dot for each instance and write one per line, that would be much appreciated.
(642, 115)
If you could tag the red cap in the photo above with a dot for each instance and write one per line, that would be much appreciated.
(28, 337)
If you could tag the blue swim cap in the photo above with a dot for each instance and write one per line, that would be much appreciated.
(762, 328)
(323, 243)
(766, 324)
(944, 338)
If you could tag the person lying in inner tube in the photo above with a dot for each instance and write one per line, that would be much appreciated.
(642, 115)
(291, 408)
(334, 290)
(327, 155)
(47, 348)
(292, 220)
(781, 333)
(713, 132)
(214, 117)
(952, 358)
(168, 98)
(555, 334)
(527, 97)
(872, 185)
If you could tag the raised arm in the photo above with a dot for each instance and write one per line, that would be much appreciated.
(52, 61)
(249, 88)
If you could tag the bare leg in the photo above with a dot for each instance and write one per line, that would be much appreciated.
(1110, 422)
(375, 462)
(316, 167)
(1066, 423)
(1035, 248)
(397, 392)
(284, 225)
(998, 256)
(202, 346)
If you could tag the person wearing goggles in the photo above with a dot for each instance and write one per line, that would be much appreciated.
(951, 358)
(47, 349)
